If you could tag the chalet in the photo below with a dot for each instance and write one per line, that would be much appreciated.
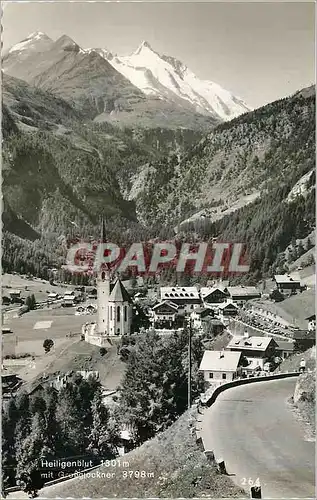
(15, 294)
(227, 309)
(69, 298)
(220, 365)
(284, 348)
(199, 314)
(257, 350)
(311, 322)
(186, 297)
(285, 283)
(213, 295)
(241, 294)
(165, 314)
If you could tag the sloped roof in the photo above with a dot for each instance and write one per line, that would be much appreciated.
(225, 361)
(166, 302)
(284, 278)
(253, 343)
(223, 305)
(203, 310)
(284, 345)
(119, 293)
(179, 292)
(243, 290)
(206, 291)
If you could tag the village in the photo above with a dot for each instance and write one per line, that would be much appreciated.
(55, 333)
(255, 330)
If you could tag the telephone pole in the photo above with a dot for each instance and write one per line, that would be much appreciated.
(190, 363)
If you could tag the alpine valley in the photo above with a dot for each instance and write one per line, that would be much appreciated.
(143, 142)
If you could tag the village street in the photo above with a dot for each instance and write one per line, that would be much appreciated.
(253, 429)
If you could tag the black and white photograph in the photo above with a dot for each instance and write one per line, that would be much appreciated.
(158, 250)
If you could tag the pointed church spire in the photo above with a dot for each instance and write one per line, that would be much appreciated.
(103, 231)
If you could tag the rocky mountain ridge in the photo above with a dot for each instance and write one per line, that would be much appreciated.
(144, 86)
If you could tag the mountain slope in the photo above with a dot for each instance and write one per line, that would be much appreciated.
(232, 165)
(52, 174)
(16, 61)
(31, 107)
(59, 170)
(169, 79)
(145, 88)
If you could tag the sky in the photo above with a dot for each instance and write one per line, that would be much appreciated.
(258, 51)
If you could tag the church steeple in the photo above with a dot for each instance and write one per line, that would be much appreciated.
(103, 287)
(103, 231)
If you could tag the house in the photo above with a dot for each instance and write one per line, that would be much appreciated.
(213, 295)
(186, 297)
(284, 348)
(220, 365)
(165, 315)
(284, 283)
(227, 309)
(257, 350)
(125, 440)
(69, 298)
(241, 294)
(304, 339)
(15, 294)
(199, 314)
(52, 296)
(311, 322)
(10, 384)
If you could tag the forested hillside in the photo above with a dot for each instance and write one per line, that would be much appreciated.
(62, 174)
(239, 158)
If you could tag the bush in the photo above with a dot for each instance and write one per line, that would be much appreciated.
(102, 351)
(48, 344)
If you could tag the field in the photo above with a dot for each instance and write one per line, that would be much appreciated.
(69, 353)
(36, 286)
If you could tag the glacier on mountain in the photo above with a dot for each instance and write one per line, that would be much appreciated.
(167, 78)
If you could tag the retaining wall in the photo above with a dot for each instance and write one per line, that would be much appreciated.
(242, 381)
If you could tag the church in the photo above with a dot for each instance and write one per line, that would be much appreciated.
(114, 307)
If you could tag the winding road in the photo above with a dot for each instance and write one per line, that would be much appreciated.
(254, 430)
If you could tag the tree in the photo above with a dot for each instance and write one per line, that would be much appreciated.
(154, 389)
(102, 437)
(102, 351)
(69, 419)
(30, 302)
(29, 457)
(48, 344)
(10, 418)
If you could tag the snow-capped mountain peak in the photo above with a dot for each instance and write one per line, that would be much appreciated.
(168, 78)
(160, 76)
(143, 45)
(30, 42)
